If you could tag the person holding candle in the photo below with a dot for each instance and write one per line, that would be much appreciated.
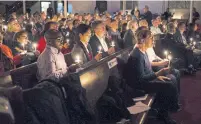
(98, 39)
(51, 63)
(139, 75)
(182, 43)
(114, 35)
(23, 50)
(193, 33)
(83, 48)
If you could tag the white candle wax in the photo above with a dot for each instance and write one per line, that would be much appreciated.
(169, 58)
(99, 49)
(77, 60)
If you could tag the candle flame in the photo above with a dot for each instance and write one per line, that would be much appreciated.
(166, 52)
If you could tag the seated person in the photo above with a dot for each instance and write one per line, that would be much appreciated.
(51, 63)
(139, 75)
(98, 42)
(114, 35)
(182, 42)
(23, 50)
(82, 49)
(13, 27)
(154, 28)
(144, 23)
(41, 42)
(129, 37)
(192, 33)
(6, 55)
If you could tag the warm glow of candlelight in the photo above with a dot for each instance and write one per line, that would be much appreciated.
(77, 60)
(5, 27)
(67, 41)
(35, 45)
(165, 52)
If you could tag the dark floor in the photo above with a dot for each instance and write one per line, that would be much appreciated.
(191, 101)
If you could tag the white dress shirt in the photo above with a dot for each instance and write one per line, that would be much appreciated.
(155, 30)
(152, 55)
(51, 64)
(103, 43)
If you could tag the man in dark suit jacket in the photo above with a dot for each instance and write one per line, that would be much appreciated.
(98, 42)
(82, 51)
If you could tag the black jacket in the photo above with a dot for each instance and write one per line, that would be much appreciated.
(78, 107)
(116, 38)
(148, 17)
(45, 104)
(95, 43)
(79, 49)
(129, 39)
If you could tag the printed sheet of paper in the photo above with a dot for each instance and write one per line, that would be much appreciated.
(139, 107)
(142, 98)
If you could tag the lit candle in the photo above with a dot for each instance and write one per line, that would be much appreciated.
(67, 33)
(67, 41)
(191, 39)
(166, 54)
(113, 44)
(5, 27)
(34, 45)
(99, 49)
(169, 58)
(23, 46)
(77, 60)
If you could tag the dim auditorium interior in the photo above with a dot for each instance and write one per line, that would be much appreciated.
(100, 62)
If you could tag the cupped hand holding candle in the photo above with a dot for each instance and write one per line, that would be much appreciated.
(77, 59)
(67, 41)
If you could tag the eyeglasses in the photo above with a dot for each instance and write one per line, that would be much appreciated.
(60, 39)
